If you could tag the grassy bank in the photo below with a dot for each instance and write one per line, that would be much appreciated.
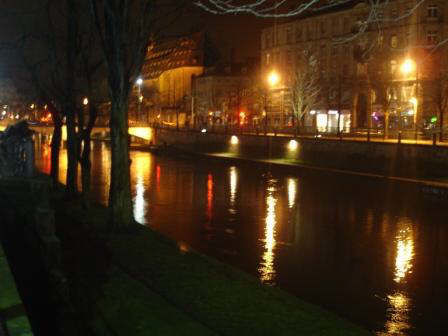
(145, 284)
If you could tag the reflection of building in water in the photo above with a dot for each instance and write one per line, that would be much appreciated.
(233, 186)
(266, 269)
(399, 302)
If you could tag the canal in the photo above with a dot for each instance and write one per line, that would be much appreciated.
(374, 252)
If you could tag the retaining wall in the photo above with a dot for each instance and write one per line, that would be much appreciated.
(375, 157)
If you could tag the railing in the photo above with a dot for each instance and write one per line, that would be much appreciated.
(16, 151)
(392, 135)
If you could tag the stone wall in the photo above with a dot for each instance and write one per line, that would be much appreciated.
(374, 157)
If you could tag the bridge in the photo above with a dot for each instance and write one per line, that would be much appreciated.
(139, 133)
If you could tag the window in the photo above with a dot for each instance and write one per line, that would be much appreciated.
(323, 27)
(432, 37)
(393, 41)
(288, 35)
(346, 24)
(288, 57)
(309, 32)
(432, 11)
(298, 34)
(268, 40)
(323, 51)
(393, 66)
(394, 13)
(335, 26)
(334, 51)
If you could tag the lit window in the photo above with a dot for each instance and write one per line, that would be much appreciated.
(393, 41)
(393, 66)
(433, 11)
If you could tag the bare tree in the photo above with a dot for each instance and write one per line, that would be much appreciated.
(125, 29)
(304, 86)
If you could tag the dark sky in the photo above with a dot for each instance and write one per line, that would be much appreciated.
(240, 32)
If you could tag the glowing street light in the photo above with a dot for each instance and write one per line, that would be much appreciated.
(85, 101)
(273, 78)
(139, 81)
(407, 67)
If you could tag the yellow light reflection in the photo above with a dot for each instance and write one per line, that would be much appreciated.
(398, 321)
(405, 253)
(292, 191)
(140, 165)
(209, 211)
(399, 302)
(233, 186)
(266, 269)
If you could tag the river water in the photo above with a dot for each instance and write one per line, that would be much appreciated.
(373, 252)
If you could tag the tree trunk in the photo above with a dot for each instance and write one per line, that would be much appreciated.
(55, 148)
(85, 161)
(120, 202)
(72, 155)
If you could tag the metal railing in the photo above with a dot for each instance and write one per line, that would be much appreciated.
(405, 136)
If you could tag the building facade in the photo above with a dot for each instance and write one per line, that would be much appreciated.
(380, 72)
(223, 94)
(164, 94)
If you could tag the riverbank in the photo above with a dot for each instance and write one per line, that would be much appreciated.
(397, 162)
(142, 283)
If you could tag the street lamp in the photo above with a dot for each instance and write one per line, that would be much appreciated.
(139, 83)
(273, 79)
(407, 68)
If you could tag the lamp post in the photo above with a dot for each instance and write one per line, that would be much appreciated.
(139, 83)
(408, 67)
(273, 79)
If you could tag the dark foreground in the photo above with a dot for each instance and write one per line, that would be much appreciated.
(141, 283)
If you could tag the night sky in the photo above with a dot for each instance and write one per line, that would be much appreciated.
(240, 32)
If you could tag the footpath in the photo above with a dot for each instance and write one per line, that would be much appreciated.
(141, 283)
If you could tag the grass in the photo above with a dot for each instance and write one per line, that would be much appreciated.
(146, 285)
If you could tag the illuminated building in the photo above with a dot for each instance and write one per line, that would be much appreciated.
(222, 94)
(167, 74)
(363, 78)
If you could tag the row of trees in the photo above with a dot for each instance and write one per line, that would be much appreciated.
(59, 52)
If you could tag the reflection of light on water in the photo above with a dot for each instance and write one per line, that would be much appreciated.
(209, 211)
(405, 253)
(140, 166)
(233, 185)
(139, 201)
(266, 269)
(158, 176)
(398, 314)
(399, 302)
(292, 191)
